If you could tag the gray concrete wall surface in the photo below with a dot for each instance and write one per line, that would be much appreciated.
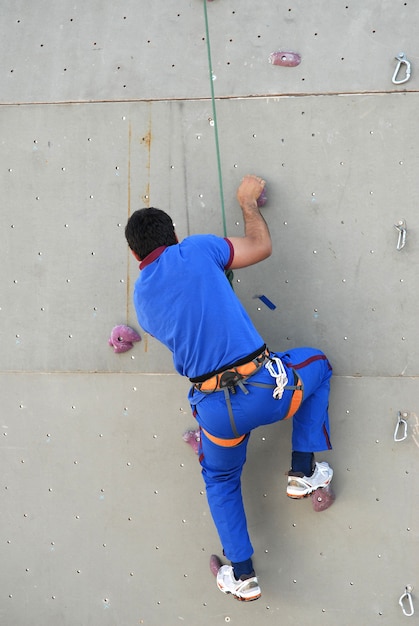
(107, 108)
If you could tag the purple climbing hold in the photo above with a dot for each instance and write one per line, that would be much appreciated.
(122, 338)
(322, 498)
(192, 437)
(215, 564)
(263, 198)
(286, 59)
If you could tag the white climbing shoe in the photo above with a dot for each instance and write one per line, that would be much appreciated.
(300, 486)
(245, 590)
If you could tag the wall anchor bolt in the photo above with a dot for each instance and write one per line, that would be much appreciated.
(406, 601)
(400, 432)
(402, 228)
(402, 60)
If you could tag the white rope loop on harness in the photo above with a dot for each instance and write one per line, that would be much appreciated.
(281, 378)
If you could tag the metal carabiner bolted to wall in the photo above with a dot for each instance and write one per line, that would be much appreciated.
(400, 432)
(402, 60)
(402, 228)
(406, 601)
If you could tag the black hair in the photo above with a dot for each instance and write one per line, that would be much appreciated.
(148, 229)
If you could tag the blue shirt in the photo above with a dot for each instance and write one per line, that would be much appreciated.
(184, 299)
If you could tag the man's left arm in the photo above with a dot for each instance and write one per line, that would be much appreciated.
(256, 244)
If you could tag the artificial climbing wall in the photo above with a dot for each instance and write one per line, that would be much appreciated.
(106, 108)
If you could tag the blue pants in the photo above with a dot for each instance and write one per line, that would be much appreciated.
(222, 466)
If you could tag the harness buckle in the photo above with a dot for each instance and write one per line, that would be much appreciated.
(230, 379)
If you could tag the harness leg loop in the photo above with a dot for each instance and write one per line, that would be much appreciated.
(230, 411)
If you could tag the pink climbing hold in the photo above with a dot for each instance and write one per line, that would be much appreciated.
(322, 498)
(193, 438)
(263, 198)
(215, 564)
(286, 59)
(122, 338)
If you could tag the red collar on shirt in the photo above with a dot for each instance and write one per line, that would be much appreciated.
(152, 256)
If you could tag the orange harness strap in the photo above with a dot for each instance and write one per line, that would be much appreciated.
(225, 443)
(296, 399)
(215, 382)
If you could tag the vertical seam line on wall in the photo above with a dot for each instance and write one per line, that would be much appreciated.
(129, 214)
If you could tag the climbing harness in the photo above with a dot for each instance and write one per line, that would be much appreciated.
(227, 379)
(237, 375)
(231, 375)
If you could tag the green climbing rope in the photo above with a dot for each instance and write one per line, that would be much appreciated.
(228, 273)
(214, 115)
